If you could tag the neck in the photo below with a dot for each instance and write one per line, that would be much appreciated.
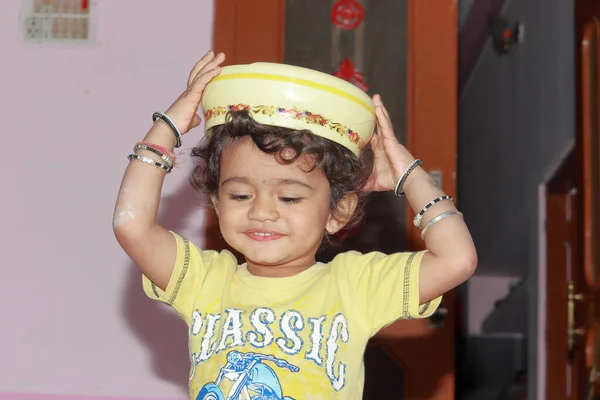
(279, 271)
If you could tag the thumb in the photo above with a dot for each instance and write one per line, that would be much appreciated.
(195, 121)
(369, 184)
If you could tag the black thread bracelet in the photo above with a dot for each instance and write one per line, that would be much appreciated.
(419, 216)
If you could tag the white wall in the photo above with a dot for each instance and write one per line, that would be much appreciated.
(517, 118)
(73, 317)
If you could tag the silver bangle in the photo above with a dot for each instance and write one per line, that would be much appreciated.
(404, 177)
(419, 216)
(164, 157)
(150, 161)
(165, 118)
(438, 219)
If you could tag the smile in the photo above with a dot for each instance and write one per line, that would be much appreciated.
(263, 236)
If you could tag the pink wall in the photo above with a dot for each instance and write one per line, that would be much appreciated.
(483, 292)
(73, 317)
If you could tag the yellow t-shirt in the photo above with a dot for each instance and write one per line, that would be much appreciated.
(300, 337)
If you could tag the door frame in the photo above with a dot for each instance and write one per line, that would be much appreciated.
(585, 12)
(433, 81)
(559, 224)
(429, 46)
(552, 333)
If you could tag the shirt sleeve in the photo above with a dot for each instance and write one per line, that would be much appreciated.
(385, 288)
(191, 268)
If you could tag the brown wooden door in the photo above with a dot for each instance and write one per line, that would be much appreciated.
(565, 303)
(424, 348)
(250, 31)
(573, 241)
(588, 353)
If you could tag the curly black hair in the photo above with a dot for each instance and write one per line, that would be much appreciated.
(346, 173)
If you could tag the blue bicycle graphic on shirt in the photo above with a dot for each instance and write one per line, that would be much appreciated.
(252, 380)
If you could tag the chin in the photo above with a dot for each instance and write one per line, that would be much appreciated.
(263, 258)
(273, 253)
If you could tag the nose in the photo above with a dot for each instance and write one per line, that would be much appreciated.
(264, 209)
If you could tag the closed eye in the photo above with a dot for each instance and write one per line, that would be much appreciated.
(291, 200)
(239, 197)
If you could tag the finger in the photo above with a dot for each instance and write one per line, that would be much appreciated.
(199, 84)
(213, 63)
(377, 100)
(199, 65)
(379, 103)
(384, 124)
(385, 111)
(375, 139)
(378, 130)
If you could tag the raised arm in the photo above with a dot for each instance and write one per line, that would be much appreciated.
(135, 223)
(451, 258)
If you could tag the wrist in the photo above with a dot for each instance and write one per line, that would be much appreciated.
(418, 174)
(408, 171)
(161, 134)
(168, 122)
(401, 167)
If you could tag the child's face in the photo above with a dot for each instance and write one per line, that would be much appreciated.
(274, 214)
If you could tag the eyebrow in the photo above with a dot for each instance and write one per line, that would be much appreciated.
(278, 182)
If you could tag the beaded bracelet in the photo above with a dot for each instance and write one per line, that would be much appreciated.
(170, 123)
(163, 149)
(158, 150)
(150, 161)
(419, 216)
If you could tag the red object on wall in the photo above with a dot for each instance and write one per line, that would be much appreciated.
(347, 71)
(347, 14)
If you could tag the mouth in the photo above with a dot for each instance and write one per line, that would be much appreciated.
(262, 235)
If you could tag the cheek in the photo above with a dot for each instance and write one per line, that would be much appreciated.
(313, 219)
(229, 213)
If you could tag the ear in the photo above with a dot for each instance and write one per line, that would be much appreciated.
(215, 202)
(342, 214)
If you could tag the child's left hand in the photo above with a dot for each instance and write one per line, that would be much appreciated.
(391, 158)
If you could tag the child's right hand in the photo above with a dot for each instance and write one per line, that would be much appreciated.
(184, 110)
